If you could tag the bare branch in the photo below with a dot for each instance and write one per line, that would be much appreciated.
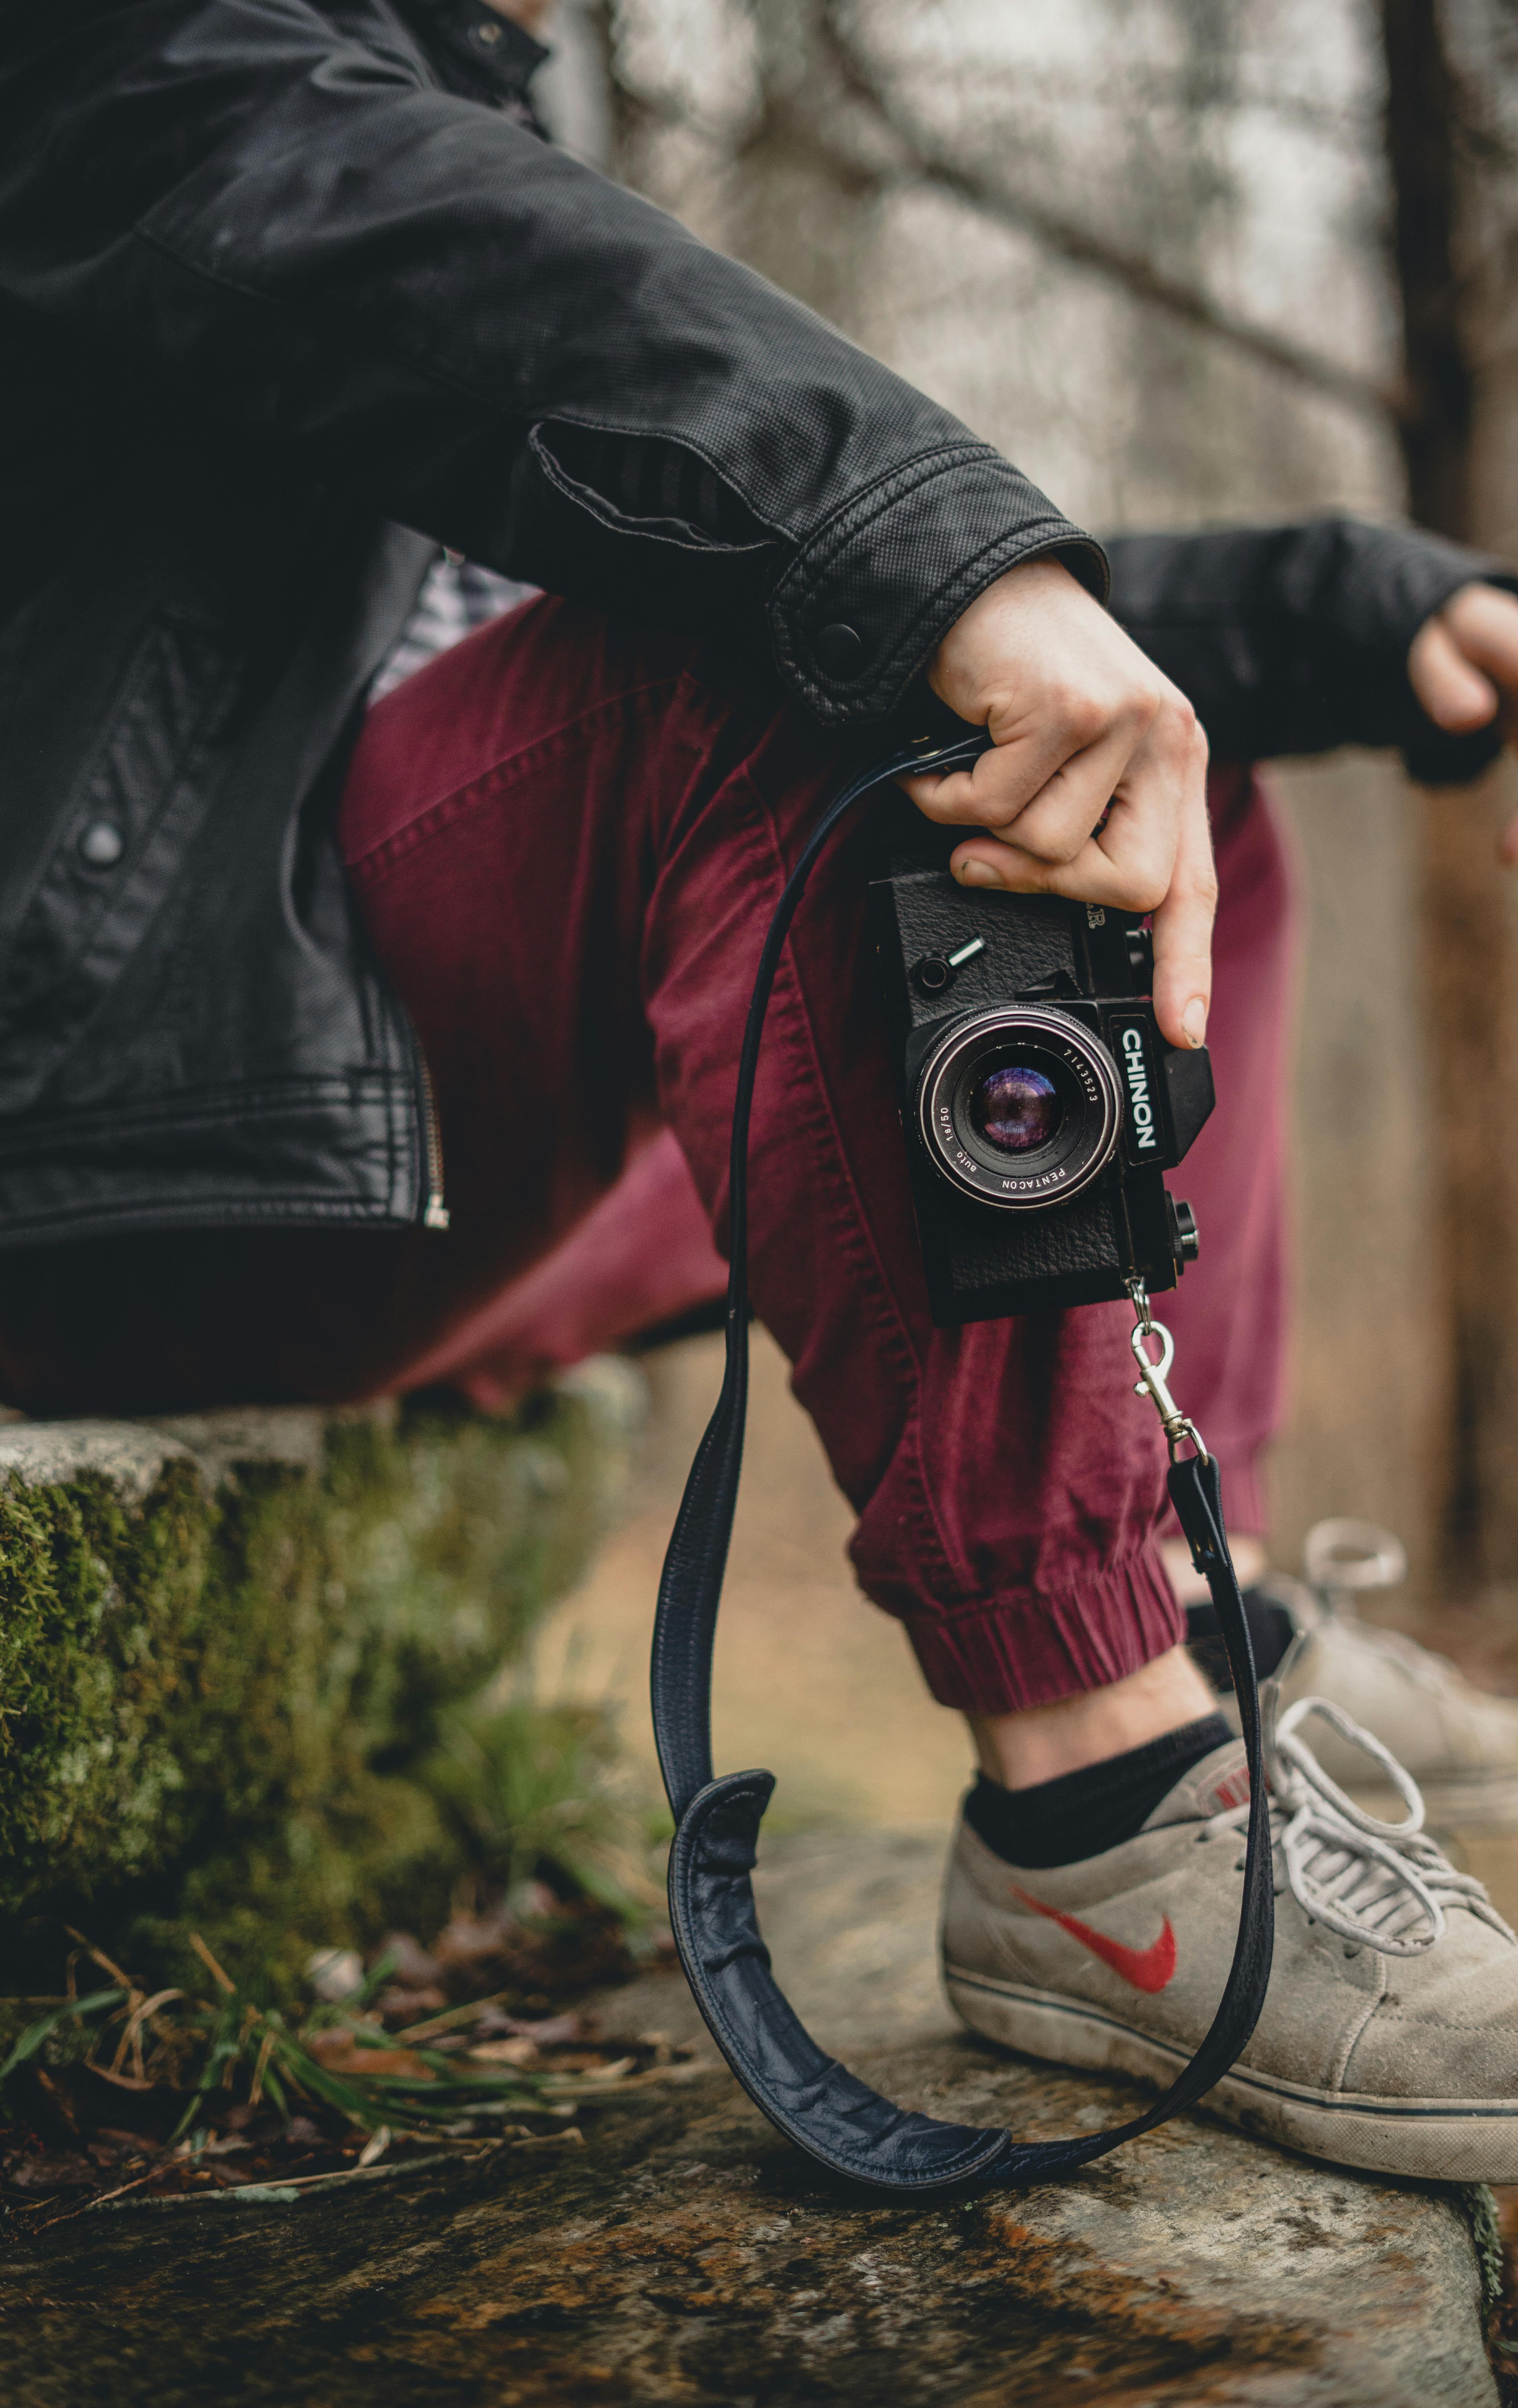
(1132, 271)
(1137, 275)
(917, 157)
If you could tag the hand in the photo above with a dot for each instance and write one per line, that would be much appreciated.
(1463, 667)
(1097, 785)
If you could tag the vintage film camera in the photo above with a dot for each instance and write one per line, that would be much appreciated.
(1040, 1103)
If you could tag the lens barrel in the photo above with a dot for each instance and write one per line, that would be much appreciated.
(1020, 1106)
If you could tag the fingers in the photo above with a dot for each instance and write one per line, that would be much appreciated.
(1065, 696)
(1483, 623)
(1463, 667)
(1097, 843)
(1127, 863)
(1071, 749)
(1095, 786)
(1183, 924)
(1450, 688)
(1154, 854)
(1092, 877)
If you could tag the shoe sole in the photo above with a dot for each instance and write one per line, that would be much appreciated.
(1421, 2139)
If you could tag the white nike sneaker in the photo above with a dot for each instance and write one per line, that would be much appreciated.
(1389, 2038)
(1460, 1743)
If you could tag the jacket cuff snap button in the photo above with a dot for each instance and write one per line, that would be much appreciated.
(101, 845)
(839, 652)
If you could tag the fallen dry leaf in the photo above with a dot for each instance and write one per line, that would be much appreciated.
(504, 2052)
(340, 2054)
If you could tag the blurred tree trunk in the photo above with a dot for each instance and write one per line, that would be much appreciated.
(1459, 425)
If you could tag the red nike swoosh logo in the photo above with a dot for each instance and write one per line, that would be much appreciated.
(1146, 1968)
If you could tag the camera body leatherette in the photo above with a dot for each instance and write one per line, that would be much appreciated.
(981, 1262)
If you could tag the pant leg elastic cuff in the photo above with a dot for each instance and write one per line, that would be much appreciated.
(1034, 1648)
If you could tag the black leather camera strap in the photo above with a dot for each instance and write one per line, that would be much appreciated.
(812, 2099)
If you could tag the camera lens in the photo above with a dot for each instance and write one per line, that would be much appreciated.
(1020, 1106)
(1015, 1107)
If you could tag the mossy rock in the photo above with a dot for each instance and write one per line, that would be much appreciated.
(225, 1642)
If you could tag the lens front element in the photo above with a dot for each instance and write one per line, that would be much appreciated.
(1016, 1108)
(1020, 1106)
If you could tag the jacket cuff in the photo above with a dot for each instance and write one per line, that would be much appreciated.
(1389, 580)
(868, 599)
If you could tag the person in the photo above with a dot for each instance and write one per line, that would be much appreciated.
(642, 1264)
(321, 1027)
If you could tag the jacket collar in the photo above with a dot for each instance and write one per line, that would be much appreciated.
(495, 57)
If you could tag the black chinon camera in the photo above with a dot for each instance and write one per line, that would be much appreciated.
(1040, 1103)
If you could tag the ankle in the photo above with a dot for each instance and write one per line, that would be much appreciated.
(1085, 1813)
(1044, 1741)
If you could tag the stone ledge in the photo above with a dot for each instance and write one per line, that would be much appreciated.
(225, 1637)
(685, 2253)
(129, 1456)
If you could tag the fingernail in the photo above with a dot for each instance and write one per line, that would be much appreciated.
(977, 874)
(1194, 1021)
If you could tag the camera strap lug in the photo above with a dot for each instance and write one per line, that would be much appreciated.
(1154, 1378)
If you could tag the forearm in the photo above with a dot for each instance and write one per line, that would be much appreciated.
(1296, 639)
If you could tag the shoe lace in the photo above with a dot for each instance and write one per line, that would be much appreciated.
(1342, 1560)
(1378, 1884)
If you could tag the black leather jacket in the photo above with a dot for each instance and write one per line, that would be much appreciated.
(287, 298)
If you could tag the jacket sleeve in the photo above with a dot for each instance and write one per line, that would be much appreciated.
(1295, 638)
(300, 240)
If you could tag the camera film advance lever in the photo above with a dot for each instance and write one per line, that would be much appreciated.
(808, 2095)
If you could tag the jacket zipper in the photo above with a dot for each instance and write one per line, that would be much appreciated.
(435, 1213)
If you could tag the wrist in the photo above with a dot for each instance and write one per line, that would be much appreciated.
(870, 598)
(979, 658)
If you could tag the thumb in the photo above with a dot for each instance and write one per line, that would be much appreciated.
(1455, 693)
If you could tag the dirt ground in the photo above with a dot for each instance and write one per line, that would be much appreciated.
(811, 1681)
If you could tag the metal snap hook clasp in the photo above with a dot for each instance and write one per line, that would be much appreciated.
(1154, 1382)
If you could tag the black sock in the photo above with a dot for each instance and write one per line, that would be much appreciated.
(1271, 1631)
(1082, 1813)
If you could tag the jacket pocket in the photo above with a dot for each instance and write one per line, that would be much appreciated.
(120, 842)
(575, 540)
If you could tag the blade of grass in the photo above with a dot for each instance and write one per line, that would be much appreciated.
(226, 2039)
(224, 1981)
(104, 1962)
(100, 2199)
(446, 2021)
(132, 2030)
(34, 2034)
(265, 2050)
(345, 2095)
(376, 1978)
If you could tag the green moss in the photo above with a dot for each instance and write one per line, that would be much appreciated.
(1481, 2209)
(211, 1701)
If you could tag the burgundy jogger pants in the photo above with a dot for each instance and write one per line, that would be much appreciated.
(566, 837)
